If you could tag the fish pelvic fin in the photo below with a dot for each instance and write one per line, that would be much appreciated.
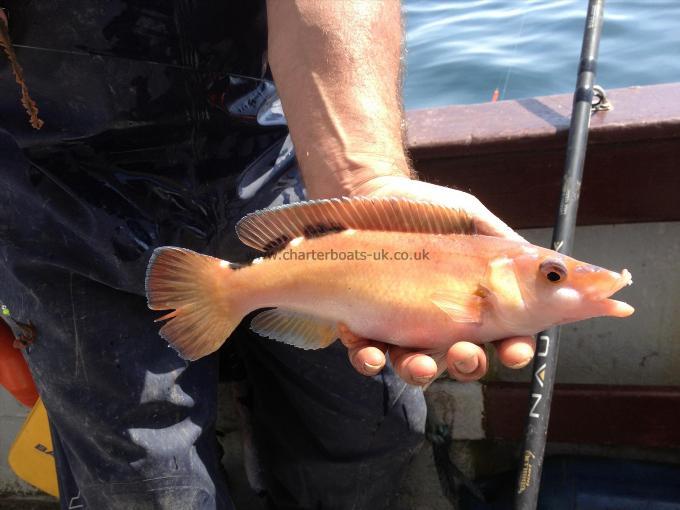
(270, 230)
(293, 328)
(196, 288)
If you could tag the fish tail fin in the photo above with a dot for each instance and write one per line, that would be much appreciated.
(196, 288)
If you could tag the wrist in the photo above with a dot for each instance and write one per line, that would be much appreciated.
(352, 174)
(380, 185)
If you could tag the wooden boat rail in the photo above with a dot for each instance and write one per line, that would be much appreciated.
(511, 154)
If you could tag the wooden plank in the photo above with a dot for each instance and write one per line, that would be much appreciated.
(644, 416)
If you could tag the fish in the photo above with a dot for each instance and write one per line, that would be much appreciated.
(406, 272)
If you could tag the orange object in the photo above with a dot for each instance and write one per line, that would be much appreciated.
(494, 97)
(14, 372)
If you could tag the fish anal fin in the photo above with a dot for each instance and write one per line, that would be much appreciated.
(460, 306)
(294, 328)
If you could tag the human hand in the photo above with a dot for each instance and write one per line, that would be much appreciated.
(465, 361)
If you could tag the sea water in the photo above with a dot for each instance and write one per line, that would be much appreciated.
(460, 51)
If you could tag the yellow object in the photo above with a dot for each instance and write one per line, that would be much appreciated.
(31, 456)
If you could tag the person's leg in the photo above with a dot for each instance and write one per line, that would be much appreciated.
(327, 437)
(133, 423)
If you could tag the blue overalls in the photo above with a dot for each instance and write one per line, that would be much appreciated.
(152, 138)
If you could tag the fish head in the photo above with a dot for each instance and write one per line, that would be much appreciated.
(561, 289)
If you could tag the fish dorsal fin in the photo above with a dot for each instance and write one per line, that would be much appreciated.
(269, 230)
(293, 328)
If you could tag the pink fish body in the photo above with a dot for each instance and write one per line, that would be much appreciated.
(408, 273)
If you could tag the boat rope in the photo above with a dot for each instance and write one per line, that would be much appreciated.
(6, 44)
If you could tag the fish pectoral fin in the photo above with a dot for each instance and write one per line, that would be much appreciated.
(460, 306)
(501, 277)
(294, 328)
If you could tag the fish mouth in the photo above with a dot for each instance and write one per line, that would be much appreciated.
(613, 307)
(623, 280)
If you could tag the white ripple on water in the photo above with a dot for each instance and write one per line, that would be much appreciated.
(494, 11)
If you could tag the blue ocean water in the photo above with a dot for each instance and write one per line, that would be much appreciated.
(459, 51)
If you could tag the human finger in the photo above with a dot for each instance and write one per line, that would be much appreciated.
(366, 356)
(516, 352)
(412, 366)
(466, 361)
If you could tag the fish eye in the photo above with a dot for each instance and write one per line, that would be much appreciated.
(554, 270)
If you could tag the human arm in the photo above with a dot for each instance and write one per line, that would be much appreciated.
(337, 68)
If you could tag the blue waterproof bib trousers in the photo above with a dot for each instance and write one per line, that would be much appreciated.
(151, 139)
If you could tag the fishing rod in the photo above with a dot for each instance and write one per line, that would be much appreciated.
(547, 346)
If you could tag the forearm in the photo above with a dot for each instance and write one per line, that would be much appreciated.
(337, 68)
